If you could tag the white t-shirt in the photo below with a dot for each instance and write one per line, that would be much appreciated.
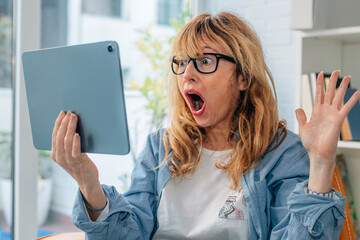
(202, 205)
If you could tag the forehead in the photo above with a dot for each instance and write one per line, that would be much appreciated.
(208, 46)
(202, 45)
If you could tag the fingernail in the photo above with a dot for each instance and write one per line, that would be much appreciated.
(76, 134)
(73, 114)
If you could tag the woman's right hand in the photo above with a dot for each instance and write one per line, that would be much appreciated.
(66, 151)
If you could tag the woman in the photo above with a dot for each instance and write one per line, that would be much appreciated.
(227, 168)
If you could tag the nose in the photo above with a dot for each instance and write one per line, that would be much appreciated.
(190, 71)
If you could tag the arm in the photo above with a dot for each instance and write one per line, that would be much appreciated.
(297, 215)
(308, 216)
(131, 215)
(320, 134)
(66, 152)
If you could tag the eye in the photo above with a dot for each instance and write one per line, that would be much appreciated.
(182, 63)
(206, 61)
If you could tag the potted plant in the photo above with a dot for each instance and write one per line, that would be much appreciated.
(44, 188)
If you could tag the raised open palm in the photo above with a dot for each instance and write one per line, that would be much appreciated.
(320, 134)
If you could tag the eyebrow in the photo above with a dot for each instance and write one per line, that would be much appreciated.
(207, 47)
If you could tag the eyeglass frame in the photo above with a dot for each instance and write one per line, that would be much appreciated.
(217, 55)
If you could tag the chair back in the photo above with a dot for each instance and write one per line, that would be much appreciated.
(347, 233)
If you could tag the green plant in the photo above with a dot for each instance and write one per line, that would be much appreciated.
(5, 154)
(153, 89)
(157, 53)
(5, 51)
(45, 164)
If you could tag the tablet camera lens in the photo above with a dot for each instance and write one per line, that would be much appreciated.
(110, 48)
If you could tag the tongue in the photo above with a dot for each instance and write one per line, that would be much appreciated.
(198, 104)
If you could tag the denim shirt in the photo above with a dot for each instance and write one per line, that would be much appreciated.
(278, 206)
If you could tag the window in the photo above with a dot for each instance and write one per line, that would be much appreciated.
(6, 108)
(53, 23)
(167, 10)
(110, 8)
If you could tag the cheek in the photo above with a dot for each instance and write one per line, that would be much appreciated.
(180, 83)
(180, 87)
(233, 93)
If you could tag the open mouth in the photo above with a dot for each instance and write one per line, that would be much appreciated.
(197, 103)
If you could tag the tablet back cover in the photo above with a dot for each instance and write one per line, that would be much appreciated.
(85, 79)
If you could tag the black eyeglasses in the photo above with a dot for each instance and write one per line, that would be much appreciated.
(208, 63)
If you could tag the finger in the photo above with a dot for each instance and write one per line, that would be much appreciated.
(339, 96)
(330, 90)
(68, 141)
(319, 94)
(76, 149)
(301, 117)
(54, 133)
(61, 135)
(349, 104)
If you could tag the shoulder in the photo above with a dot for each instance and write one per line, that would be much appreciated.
(155, 139)
(286, 160)
(155, 144)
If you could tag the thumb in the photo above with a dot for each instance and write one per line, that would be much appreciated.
(300, 117)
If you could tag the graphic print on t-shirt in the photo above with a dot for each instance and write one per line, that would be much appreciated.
(234, 207)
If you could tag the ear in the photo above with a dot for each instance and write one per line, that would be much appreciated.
(241, 83)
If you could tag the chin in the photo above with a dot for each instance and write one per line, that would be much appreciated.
(202, 124)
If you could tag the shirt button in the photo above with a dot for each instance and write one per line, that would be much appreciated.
(157, 198)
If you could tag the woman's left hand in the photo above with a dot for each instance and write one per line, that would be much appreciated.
(320, 134)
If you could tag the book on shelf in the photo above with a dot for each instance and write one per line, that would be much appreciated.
(313, 78)
(350, 130)
(306, 96)
(308, 90)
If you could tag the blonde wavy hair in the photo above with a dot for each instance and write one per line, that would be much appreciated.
(255, 122)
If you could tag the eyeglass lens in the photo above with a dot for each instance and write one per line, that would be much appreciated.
(205, 64)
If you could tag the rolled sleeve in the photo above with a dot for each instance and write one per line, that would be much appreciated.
(131, 215)
(318, 214)
(119, 222)
(104, 213)
(94, 230)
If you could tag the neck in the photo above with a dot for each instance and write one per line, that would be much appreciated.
(217, 139)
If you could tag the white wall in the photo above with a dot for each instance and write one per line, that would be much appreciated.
(271, 20)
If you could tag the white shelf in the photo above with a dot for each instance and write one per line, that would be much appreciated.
(345, 35)
(330, 49)
(349, 144)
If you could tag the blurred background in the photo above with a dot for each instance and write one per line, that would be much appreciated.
(143, 30)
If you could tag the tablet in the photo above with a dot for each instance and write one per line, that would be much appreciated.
(86, 80)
